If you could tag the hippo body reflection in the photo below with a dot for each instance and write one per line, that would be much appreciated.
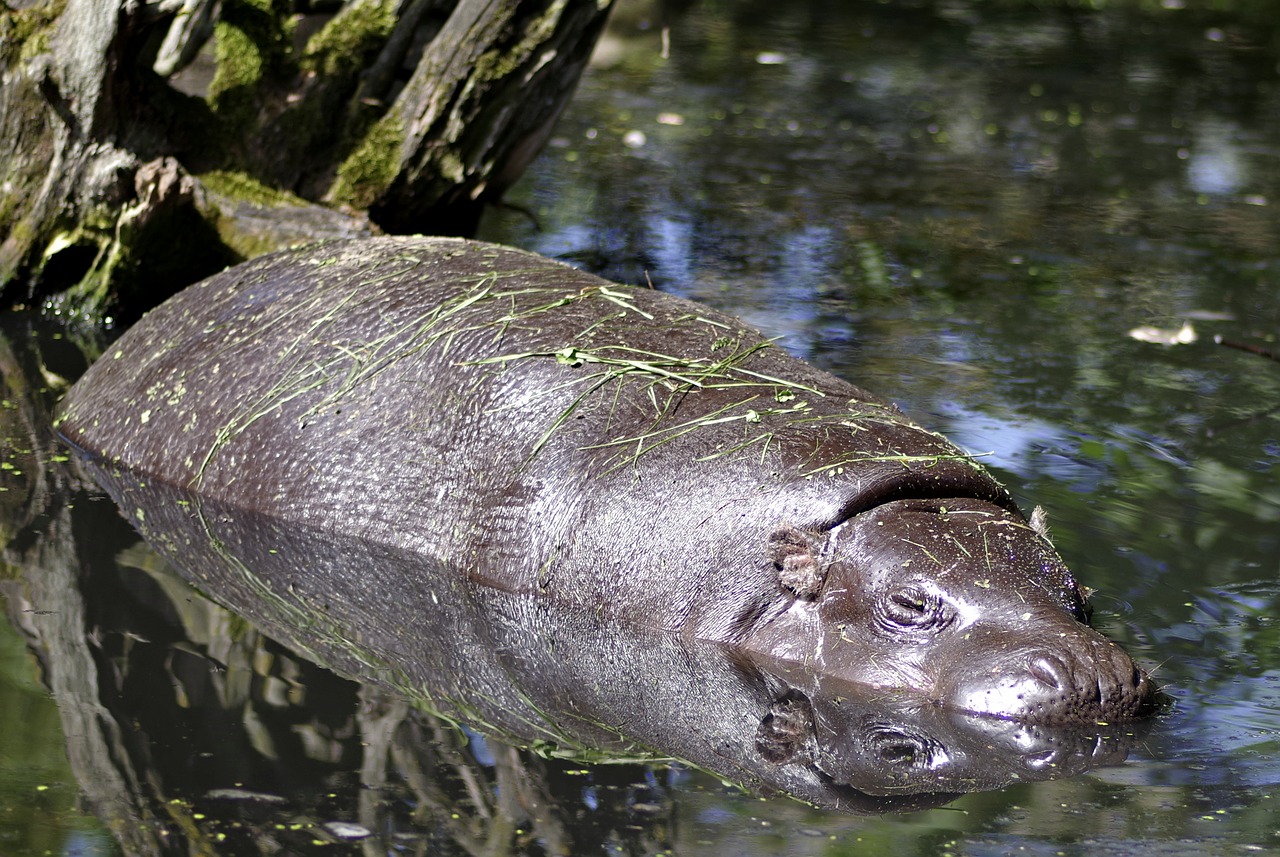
(549, 444)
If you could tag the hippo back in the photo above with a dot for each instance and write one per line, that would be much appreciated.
(538, 429)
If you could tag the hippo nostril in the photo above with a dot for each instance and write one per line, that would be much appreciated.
(1049, 671)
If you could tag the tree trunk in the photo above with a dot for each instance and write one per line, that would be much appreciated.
(125, 174)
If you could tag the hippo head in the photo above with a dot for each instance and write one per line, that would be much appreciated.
(958, 599)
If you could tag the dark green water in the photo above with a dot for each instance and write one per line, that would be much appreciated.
(965, 207)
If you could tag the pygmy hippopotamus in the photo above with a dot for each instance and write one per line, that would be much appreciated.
(618, 451)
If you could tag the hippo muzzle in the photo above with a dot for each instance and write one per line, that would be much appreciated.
(1074, 675)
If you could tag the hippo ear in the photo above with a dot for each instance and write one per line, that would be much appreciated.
(1040, 523)
(797, 556)
(785, 728)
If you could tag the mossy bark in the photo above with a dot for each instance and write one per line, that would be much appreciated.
(397, 116)
(480, 105)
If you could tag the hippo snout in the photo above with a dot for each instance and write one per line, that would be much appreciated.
(1085, 680)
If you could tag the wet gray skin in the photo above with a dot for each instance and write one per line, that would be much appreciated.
(539, 432)
(962, 600)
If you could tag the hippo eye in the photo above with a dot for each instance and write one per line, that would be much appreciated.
(900, 747)
(912, 607)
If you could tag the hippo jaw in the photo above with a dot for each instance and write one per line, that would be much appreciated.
(958, 599)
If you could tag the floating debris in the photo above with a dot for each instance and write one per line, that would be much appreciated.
(244, 794)
(346, 830)
(1185, 335)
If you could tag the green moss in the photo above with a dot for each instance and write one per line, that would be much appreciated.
(327, 123)
(24, 33)
(114, 262)
(37, 44)
(91, 297)
(245, 245)
(370, 169)
(537, 32)
(452, 168)
(9, 203)
(495, 65)
(228, 192)
(351, 39)
(79, 268)
(239, 63)
(241, 186)
(251, 43)
(21, 233)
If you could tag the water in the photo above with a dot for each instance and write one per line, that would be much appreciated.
(961, 207)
